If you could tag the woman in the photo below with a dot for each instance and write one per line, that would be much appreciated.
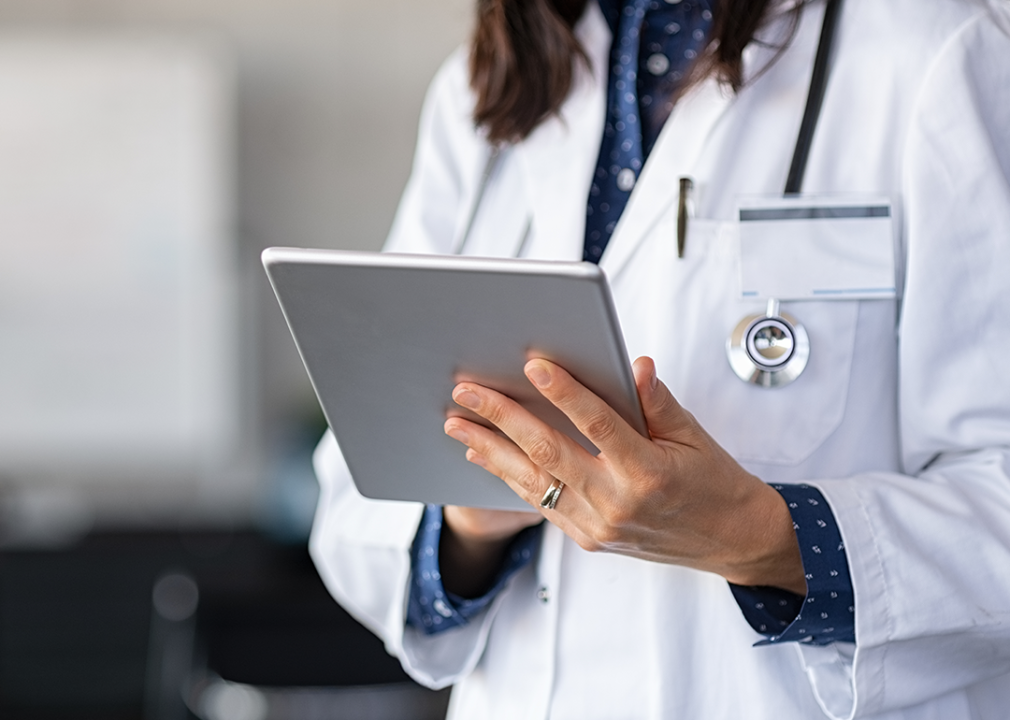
(861, 513)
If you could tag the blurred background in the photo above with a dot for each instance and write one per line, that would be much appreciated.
(156, 424)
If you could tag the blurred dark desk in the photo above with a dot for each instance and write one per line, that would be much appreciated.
(75, 623)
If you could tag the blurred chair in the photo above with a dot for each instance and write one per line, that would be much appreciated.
(170, 662)
(218, 699)
(184, 683)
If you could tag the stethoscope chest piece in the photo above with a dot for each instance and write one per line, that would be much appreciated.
(769, 350)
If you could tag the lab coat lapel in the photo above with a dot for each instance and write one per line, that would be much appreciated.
(676, 153)
(558, 160)
(557, 163)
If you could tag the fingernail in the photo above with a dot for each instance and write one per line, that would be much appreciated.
(467, 398)
(458, 434)
(476, 458)
(539, 376)
(654, 380)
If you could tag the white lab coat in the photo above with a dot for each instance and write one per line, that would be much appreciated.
(902, 417)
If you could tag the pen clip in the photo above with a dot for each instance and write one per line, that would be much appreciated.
(683, 211)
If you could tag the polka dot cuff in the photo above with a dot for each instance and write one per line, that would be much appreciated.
(430, 607)
(827, 613)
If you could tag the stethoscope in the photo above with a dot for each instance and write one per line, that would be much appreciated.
(772, 349)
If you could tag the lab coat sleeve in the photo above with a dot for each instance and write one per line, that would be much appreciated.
(362, 546)
(929, 551)
(362, 550)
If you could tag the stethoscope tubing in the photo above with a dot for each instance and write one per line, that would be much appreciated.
(815, 98)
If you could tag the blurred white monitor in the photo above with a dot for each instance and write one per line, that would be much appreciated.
(118, 333)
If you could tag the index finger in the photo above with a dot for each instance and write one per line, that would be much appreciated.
(594, 418)
(547, 447)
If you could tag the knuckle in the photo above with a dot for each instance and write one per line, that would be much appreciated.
(495, 412)
(601, 533)
(649, 485)
(529, 480)
(600, 426)
(608, 535)
(544, 452)
(615, 517)
(668, 404)
(565, 395)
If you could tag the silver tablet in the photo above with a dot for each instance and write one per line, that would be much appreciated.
(385, 338)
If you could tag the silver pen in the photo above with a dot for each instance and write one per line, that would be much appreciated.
(683, 210)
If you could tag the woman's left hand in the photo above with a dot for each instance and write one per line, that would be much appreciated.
(675, 497)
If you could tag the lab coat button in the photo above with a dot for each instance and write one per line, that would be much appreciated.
(626, 179)
(543, 594)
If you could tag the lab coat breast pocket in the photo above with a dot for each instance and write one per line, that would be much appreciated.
(681, 311)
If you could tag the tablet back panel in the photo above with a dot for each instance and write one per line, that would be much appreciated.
(385, 338)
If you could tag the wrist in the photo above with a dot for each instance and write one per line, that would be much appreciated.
(469, 565)
(769, 553)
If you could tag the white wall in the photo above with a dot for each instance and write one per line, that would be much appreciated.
(118, 322)
(327, 98)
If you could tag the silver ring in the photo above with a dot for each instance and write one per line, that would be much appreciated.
(550, 499)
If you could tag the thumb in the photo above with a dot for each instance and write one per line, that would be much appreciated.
(665, 417)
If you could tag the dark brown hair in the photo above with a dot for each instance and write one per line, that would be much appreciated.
(524, 55)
